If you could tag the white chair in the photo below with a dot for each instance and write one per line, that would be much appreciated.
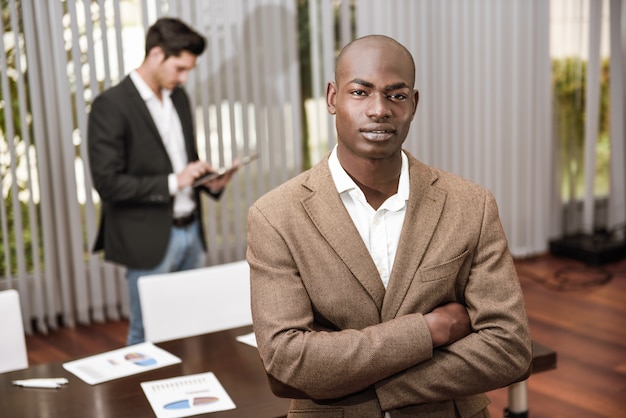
(193, 302)
(13, 354)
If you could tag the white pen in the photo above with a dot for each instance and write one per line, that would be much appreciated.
(48, 383)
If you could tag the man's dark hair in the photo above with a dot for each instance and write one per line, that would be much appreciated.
(174, 36)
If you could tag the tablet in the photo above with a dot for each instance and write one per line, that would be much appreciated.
(223, 170)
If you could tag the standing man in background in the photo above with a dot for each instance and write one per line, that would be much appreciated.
(382, 286)
(144, 161)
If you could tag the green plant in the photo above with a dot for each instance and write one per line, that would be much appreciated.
(568, 82)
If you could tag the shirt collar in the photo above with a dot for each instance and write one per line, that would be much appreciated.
(144, 90)
(344, 183)
(342, 180)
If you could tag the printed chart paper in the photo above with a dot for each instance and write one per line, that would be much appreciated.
(122, 362)
(185, 396)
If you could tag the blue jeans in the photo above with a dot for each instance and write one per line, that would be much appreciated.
(184, 252)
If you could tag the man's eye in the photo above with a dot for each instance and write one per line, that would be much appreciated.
(359, 93)
(398, 96)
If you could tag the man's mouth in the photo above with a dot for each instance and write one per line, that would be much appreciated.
(378, 134)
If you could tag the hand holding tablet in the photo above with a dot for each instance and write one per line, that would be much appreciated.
(224, 170)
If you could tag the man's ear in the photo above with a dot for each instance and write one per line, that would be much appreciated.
(331, 97)
(416, 99)
(156, 54)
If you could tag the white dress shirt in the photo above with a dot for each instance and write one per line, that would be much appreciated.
(380, 229)
(167, 121)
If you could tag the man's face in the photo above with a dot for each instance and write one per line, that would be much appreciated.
(373, 100)
(174, 70)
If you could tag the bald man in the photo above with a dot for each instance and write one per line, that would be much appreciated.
(382, 286)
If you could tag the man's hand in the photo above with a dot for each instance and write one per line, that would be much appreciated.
(448, 323)
(192, 171)
(219, 182)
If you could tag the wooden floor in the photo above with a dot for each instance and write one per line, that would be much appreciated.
(577, 310)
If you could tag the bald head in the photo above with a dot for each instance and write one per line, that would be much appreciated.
(374, 44)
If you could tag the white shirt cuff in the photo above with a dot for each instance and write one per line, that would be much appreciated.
(172, 183)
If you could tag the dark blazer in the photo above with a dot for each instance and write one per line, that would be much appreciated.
(129, 166)
(341, 345)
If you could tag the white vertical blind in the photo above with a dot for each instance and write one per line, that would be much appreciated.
(592, 112)
(617, 199)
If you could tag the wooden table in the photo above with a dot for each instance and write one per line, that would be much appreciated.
(236, 365)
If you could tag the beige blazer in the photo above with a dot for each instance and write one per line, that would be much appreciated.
(333, 339)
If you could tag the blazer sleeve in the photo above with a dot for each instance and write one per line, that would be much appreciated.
(496, 353)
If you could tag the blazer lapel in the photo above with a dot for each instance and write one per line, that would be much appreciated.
(139, 104)
(327, 212)
(423, 211)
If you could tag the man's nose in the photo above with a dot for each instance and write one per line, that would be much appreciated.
(378, 107)
(182, 77)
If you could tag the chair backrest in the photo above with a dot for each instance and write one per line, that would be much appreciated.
(193, 302)
(13, 354)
